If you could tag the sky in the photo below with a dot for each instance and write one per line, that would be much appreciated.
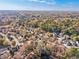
(47, 5)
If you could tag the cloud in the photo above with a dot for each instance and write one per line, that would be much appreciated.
(49, 2)
(34, 0)
(6, 6)
(44, 1)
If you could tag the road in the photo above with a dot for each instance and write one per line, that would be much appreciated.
(5, 26)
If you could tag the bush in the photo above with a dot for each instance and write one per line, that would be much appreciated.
(70, 31)
(51, 27)
(75, 37)
(1, 41)
(71, 53)
(46, 27)
(5, 43)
